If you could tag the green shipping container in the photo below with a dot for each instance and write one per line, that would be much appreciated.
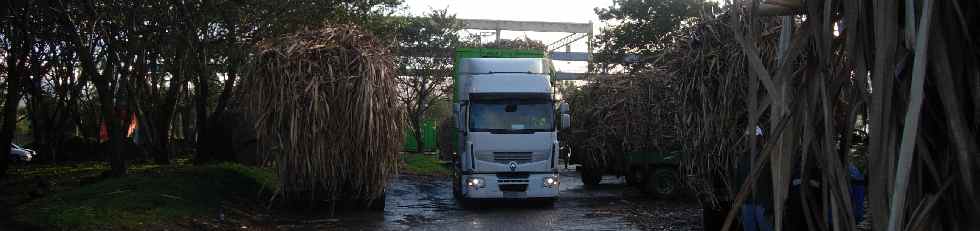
(428, 137)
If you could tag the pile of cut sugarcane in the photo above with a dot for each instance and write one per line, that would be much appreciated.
(617, 115)
(324, 105)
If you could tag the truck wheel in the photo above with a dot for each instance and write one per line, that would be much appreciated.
(548, 202)
(662, 183)
(469, 203)
(590, 177)
(378, 204)
(457, 186)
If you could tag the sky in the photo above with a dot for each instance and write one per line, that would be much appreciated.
(577, 11)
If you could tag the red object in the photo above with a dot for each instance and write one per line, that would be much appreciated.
(132, 126)
(104, 129)
(103, 132)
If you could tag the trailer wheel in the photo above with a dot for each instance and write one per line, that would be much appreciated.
(635, 177)
(662, 183)
(590, 177)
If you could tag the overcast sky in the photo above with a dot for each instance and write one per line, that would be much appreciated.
(577, 11)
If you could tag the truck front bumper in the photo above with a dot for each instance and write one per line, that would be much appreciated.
(495, 187)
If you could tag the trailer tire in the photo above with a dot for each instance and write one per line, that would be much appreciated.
(663, 183)
(635, 176)
(590, 177)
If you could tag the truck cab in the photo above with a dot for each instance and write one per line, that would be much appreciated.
(507, 123)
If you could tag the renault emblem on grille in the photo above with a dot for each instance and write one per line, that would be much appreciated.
(513, 166)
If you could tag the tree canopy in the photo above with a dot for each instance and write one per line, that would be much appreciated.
(88, 69)
(642, 28)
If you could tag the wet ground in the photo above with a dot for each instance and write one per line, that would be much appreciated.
(426, 203)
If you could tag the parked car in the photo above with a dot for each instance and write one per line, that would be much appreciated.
(21, 154)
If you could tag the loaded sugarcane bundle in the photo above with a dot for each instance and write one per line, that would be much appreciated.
(323, 102)
(910, 69)
(622, 114)
(712, 89)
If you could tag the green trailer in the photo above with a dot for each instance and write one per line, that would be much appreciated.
(428, 137)
(653, 172)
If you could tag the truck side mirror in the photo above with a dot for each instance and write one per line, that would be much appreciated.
(566, 121)
(458, 113)
(563, 108)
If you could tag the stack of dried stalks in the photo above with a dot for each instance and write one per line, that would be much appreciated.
(617, 115)
(712, 89)
(325, 110)
(921, 105)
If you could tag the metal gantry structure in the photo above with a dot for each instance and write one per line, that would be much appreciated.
(577, 32)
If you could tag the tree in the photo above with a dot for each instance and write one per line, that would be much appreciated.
(89, 64)
(425, 74)
(13, 65)
(23, 31)
(641, 28)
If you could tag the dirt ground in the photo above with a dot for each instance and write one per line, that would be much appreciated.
(426, 203)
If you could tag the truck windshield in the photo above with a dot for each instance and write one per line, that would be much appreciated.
(512, 116)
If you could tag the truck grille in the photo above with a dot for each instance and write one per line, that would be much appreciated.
(513, 175)
(507, 157)
(513, 187)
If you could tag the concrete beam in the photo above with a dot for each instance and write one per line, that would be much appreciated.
(497, 25)
(580, 76)
(569, 56)
(449, 73)
(584, 57)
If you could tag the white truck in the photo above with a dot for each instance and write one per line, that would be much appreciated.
(507, 134)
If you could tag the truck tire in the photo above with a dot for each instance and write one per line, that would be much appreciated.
(469, 203)
(548, 202)
(457, 182)
(378, 204)
(590, 177)
(663, 183)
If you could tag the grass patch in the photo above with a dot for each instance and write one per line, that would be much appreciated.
(59, 170)
(140, 201)
(422, 164)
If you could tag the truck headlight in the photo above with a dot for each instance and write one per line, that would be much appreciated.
(476, 182)
(551, 181)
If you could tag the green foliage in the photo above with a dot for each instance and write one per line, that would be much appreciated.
(524, 43)
(423, 164)
(436, 30)
(424, 80)
(440, 109)
(141, 201)
(641, 27)
(140, 56)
